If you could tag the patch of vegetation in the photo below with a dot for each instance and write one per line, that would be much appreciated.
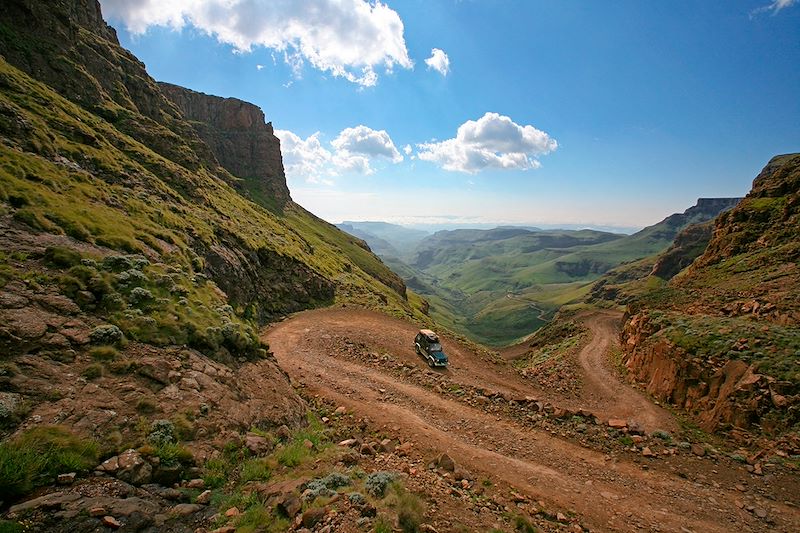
(104, 353)
(39, 454)
(296, 451)
(93, 371)
(771, 347)
(410, 509)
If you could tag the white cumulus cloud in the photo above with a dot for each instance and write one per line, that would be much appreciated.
(346, 38)
(303, 158)
(439, 61)
(352, 151)
(492, 141)
(365, 141)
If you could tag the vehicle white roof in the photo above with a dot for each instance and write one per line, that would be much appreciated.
(429, 333)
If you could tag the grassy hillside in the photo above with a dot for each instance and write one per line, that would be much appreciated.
(713, 320)
(500, 285)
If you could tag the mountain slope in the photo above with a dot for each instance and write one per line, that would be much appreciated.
(135, 267)
(721, 338)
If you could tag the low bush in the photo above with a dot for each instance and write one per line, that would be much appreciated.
(92, 371)
(104, 353)
(62, 257)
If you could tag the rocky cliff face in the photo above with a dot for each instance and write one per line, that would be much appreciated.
(688, 246)
(67, 45)
(722, 393)
(721, 339)
(240, 139)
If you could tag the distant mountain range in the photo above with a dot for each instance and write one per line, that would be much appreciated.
(497, 285)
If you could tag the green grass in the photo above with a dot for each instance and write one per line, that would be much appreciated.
(772, 348)
(39, 454)
(126, 196)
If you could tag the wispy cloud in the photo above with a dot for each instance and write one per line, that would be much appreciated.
(774, 7)
(350, 39)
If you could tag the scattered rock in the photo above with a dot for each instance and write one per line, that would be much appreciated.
(312, 517)
(197, 483)
(647, 452)
(66, 479)
(133, 469)
(462, 474)
(698, 449)
(110, 521)
(446, 462)
(204, 498)
(224, 529)
(404, 449)
(386, 446)
(290, 505)
(257, 444)
(283, 432)
(341, 410)
(367, 449)
(233, 511)
(307, 444)
(94, 512)
(185, 509)
(635, 427)
(617, 423)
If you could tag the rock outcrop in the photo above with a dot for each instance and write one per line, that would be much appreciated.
(721, 393)
(688, 245)
(67, 45)
(721, 339)
(243, 143)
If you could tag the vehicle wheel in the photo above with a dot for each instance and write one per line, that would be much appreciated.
(430, 363)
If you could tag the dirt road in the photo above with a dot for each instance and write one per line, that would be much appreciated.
(604, 394)
(609, 492)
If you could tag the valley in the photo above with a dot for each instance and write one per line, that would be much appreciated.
(498, 286)
(185, 348)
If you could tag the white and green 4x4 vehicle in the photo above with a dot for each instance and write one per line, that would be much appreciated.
(428, 346)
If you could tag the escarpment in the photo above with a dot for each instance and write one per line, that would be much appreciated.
(243, 143)
(721, 338)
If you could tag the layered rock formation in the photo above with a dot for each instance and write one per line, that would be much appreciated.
(721, 340)
(240, 139)
(688, 246)
(67, 45)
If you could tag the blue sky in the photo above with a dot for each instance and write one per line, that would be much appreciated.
(592, 113)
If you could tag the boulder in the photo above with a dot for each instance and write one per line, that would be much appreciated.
(133, 468)
(312, 517)
(185, 509)
(446, 462)
(204, 498)
(257, 444)
(617, 423)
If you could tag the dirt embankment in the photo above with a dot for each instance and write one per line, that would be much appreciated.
(611, 492)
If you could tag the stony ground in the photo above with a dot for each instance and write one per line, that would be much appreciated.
(620, 463)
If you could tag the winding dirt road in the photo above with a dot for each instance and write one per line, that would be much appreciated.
(604, 394)
(610, 493)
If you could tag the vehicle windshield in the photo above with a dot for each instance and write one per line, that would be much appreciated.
(435, 347)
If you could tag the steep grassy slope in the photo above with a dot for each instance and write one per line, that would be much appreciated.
(135, 269)
(721, 338)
